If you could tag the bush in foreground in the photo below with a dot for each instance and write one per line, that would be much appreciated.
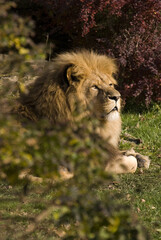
(42, 149)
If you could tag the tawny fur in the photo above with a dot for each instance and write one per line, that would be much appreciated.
(81, 78)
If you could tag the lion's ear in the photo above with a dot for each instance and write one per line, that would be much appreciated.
(70, 76)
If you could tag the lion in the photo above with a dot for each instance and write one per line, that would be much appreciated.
(83, 78)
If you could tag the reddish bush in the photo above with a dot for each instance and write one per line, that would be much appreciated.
(129, 31)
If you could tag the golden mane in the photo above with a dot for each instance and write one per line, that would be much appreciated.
(47, 95)
(87, 61)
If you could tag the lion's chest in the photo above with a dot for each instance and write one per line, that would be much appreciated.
(110, 130)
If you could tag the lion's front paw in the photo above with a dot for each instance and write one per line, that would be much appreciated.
(143, 161)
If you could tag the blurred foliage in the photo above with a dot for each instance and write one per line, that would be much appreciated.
(41, 148)
(76, 208)
(16, 45)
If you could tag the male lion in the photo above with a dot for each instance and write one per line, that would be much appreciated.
(84, 78)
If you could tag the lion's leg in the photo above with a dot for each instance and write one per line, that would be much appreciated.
(142, 160)
(128, 162)
(64, 175)
(123, 164)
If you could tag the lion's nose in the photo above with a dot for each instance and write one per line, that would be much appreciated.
(115, 98)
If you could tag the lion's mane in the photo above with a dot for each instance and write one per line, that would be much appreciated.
(52, 95)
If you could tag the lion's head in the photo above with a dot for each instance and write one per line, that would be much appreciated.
(82, 77)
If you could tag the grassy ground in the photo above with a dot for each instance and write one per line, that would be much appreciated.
(141, 190)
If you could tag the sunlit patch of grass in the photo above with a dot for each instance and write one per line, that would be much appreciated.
(143, 190)
(146, 126)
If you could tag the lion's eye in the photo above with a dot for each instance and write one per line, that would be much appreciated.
(94, 87)
(111, 84)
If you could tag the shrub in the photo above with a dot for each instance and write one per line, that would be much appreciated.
(74, 203)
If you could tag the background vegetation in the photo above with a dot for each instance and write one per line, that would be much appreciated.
(128, 30)
(92, 205)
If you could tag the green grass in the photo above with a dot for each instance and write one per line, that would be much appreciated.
(145, 126)
(142, 190)
(17, 212)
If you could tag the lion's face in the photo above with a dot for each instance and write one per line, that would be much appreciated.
(96, 91)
